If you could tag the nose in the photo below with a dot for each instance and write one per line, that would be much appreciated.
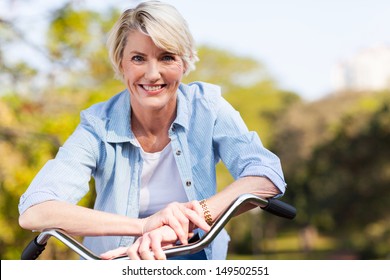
(152, 71)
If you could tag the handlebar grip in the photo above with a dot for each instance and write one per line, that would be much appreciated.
(33, 250)
(280, 208)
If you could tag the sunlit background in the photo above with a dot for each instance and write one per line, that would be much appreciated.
(311, 77)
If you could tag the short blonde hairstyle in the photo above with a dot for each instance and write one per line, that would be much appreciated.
(165, 26)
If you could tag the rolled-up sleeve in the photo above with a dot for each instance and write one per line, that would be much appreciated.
(241, 150)
(67, 176)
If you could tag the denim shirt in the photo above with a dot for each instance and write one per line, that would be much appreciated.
(207, 129)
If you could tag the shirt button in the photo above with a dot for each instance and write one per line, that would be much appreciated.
(188, 183)
(178, 152)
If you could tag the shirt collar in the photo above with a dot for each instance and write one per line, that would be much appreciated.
(118, 123)
(183, 111)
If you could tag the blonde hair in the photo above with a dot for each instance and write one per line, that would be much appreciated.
(165, 26)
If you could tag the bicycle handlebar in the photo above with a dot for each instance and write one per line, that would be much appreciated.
(274, 206)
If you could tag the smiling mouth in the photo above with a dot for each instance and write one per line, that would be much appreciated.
(153, 88)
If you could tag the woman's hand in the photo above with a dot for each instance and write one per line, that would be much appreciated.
(150, 246)
(147, 247)
(162, 230)
(182, 218)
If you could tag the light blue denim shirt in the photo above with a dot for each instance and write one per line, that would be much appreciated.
(207, 129)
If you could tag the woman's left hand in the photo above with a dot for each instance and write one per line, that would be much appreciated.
(181, 217)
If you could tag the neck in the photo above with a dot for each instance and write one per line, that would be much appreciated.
(151, 129)
(152, 123)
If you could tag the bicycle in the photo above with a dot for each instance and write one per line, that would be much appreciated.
(274, 206)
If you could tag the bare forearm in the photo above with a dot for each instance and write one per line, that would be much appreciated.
(77, 220)
(259, 186)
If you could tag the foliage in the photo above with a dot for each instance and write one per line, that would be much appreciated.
(341, 186)
(353, 172)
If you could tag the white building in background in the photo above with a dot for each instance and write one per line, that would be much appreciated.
(369, 69)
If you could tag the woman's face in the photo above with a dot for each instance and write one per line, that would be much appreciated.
(151, 74)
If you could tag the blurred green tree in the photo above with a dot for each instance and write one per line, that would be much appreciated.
(336, 157)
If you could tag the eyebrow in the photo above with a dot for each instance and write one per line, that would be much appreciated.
(143, 54)
(137, 52)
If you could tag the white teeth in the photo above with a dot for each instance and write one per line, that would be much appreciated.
(152, 88)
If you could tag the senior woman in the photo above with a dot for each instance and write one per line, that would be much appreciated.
(152, 150)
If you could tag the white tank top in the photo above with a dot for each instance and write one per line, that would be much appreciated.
(160, 182)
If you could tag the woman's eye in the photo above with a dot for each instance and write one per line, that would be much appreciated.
(168, 58)
(137, 58)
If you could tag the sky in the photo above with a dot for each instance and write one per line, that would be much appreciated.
(298, 41)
